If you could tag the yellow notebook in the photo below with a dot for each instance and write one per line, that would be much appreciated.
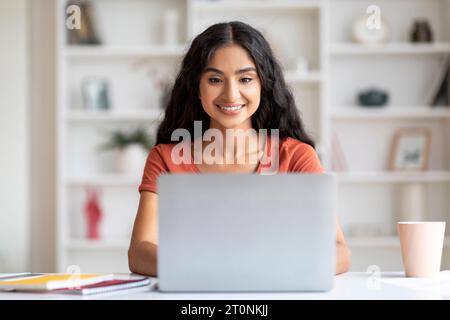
(45, 282)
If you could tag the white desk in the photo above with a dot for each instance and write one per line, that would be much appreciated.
(352, 285)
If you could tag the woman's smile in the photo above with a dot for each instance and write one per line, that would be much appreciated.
(231, 109)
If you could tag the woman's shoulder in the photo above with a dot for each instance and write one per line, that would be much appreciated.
(160, 154)
(163, 148)
(299, 156)
(173, 159)
(292, 145)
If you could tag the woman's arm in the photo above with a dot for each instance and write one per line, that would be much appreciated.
(144, 241)
(342, 251)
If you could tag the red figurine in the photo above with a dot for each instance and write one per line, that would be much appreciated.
(93, 213)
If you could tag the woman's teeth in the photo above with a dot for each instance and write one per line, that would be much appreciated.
(231, 108)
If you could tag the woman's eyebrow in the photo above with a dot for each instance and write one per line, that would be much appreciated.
(211, 69)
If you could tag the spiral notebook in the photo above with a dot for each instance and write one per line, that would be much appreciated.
(119, 282)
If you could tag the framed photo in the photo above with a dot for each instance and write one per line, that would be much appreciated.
(410, 149)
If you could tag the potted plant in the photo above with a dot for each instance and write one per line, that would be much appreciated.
(132, 147)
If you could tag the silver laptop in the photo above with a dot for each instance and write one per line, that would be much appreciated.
(246, 232)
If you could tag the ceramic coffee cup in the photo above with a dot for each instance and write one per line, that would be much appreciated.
(421, 245)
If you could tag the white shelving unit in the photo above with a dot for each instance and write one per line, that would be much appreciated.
(338, 68)
(80, 116)
(103, 180)
(390, 49)
(392, 112)
(393, 177)
(377, 242)
(311, 77)
(90, 245)
(124, 51)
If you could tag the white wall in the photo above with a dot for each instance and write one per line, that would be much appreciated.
(14, 136)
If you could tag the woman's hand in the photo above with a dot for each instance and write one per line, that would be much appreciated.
(343, 253)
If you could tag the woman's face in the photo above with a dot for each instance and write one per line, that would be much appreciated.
(230, 89)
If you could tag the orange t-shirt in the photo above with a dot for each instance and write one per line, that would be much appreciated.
(294, 156)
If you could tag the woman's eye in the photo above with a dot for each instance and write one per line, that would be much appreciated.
(246, 80)
(214, 80)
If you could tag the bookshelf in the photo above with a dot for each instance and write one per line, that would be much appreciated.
(393, 177)
(124, 51)
(397, 112)
(99, 117)
(390, 49)
(337, 69)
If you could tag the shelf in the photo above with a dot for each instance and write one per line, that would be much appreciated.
(390, 48)
(101, 244)
(258, 5)
(389, 112)
(111, 180)
(107, 116)
(393, 177)
(102, 51)
(380, 242)
(310, 77)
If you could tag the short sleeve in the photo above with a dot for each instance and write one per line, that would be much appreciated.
(154, 166)
(304, 159)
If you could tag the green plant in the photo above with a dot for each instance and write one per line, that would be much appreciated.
(121, 139)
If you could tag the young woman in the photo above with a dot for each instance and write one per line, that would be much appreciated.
(229, 80)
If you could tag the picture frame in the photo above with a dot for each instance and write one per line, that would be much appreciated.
(410, 149)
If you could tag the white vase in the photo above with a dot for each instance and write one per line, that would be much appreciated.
(131, 160)
(413, 202)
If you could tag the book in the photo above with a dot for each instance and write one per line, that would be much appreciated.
(50, 281)
(120, 282)
(440, 87)
(6, 276)
(442, 97)
(338, 160)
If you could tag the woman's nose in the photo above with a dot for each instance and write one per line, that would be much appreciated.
(231, 93)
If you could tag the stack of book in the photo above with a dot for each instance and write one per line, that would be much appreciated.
(84, 284)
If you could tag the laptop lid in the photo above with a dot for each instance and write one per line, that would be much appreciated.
(246, 232)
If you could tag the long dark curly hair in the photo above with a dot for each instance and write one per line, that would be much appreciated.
(277, 109)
